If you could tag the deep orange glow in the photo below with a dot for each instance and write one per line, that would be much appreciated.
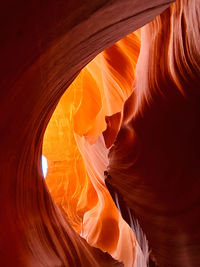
(123, 141)
(76, 145)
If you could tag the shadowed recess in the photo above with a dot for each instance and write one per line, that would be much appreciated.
(115, 111)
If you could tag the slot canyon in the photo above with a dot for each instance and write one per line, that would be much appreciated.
(100, 129)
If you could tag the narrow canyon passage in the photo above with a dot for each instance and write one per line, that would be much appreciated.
(108, 93)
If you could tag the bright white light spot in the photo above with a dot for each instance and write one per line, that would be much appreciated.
(44, 166)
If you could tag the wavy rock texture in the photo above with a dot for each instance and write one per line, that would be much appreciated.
(154, 163)
(43, 48)
(76, 150)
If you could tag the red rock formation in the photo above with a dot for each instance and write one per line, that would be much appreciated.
(155, 163)
(43, 48)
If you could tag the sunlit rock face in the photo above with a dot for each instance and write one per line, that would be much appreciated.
(82, 128)
(128, 122)
(138, 127)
